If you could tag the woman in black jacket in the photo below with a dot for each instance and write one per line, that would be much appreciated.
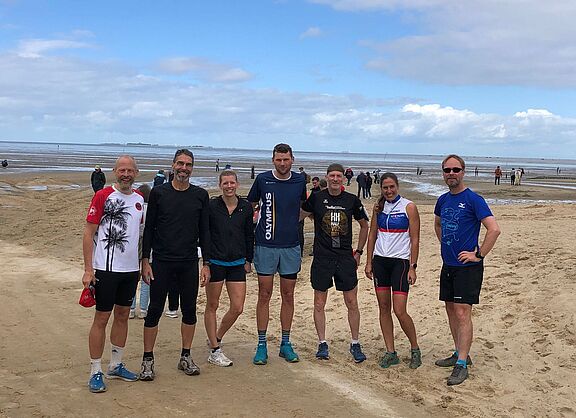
(231, 254)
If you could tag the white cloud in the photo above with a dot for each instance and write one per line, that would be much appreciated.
(480, 42)
(312, 32)
(34, 48)
(55, 98)
(203, 69)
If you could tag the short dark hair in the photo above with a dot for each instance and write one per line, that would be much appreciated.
(456, 157)
(227, 173)
(335, 167)
(145, 190)
(282, 149)
(323, 183)
(185, 152)
(316, 178)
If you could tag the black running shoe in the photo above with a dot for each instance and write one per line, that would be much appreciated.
(459, 374)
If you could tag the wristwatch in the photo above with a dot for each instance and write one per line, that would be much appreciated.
(360, 252)
(414, 265)
(478, 255)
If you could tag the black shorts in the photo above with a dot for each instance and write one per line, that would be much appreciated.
(343, 270)
(392, 273)
(461, 284)
(228, 273)
(115, 289)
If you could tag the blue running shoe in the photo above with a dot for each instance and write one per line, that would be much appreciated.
(322, 353)
(121, 372)
(96, 383)
(288, 353)
(356, 351)
(261, 356)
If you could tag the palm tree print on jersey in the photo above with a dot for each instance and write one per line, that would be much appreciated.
(116, 215)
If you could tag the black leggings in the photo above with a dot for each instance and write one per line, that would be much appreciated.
(167, 274)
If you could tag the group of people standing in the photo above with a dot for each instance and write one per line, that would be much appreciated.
(180, 218)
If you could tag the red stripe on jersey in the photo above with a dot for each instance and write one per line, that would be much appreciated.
(97, 205)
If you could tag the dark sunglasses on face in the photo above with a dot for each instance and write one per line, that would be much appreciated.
(447, 170)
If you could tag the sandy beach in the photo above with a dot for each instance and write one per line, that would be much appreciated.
(524, 350)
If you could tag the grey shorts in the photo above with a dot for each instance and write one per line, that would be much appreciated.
(284, 261)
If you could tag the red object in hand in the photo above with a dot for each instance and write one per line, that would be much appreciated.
(88, 297)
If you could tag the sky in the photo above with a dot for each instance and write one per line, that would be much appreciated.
(476, 77)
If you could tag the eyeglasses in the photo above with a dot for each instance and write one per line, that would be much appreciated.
(447, 170)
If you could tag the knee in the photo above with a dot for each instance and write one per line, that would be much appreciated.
(189, 317)
(462, 315)
(319, 306)
(101, 319)
(351, 304)
(385, 308)
(264, 295)
(121, 313)
(212, 306)
(236, 310)
(287, 296)
(400, 313)
(152, 317)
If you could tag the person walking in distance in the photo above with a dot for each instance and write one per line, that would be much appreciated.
(176, 222)
(110, 249)
(459, 214)
(278, 193)
(392, 257)
(232, 251)
(497, 175)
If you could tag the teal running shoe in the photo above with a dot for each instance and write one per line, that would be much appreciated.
(356, 351)
(96, 383)
(389, 359)
(121, 372)
(288, 353)
(261, 356)
(415, 358)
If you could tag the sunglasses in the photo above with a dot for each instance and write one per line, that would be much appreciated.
(447, 170)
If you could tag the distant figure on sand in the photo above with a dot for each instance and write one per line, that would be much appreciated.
(279, 194)
(176, 221)
(368, 188)
(391, 261)
(361, 180)
(512, 176)
(349, 174)
(97, 179)
(518, 176)
(218, 165)
(497, 175)
(5, 164)
(110, 249)
(334, 261)
(252, 172)
(231, 254)
(458, 216)
(159, 179)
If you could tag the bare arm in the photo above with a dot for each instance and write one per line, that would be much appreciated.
(372, 235)
(414, 232)
(304, 215)
(492, 233)
(87, 251)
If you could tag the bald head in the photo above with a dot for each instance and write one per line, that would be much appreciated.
(126, 159)
(125, 170)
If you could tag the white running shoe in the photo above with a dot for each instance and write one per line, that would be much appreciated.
(132, 314)
(219, 359)
(142, 314)
(171, 314)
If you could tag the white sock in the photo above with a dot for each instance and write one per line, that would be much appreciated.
(116, 356)
(322, 341)
(355, 341)
(95, 366)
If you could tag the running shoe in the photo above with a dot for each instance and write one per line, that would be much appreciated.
(132, 314)
(121, 372)
(219, 359)
(356, 351)
(451, 361)
(96, 383)
(171, 314)
(288, 353)
(187, 365)
(261, 356)
(389, 359)
(142, 314)
(147, 370)
(322, 353)
(415, 358)
(459, 374)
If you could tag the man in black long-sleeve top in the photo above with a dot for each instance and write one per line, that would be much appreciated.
(176, 221)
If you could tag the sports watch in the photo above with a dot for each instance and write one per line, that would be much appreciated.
(478, 255)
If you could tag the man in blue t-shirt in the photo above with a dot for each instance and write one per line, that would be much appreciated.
(279, 194)
(459, 214)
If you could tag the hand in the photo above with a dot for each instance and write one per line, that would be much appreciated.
(368, 270)
(248, 267)
(467, 257)
(204, 275)
(357, 258)
(411, 276)
(147, 274)
(88, 278)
